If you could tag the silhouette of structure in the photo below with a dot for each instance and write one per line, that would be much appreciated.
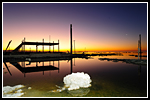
(8, 45)
(74, 47)
(34, 43)
(70, 38)
(139, 47)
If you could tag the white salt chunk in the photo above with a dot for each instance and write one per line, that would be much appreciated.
(76, 80)
(11, 91)
(29, 88)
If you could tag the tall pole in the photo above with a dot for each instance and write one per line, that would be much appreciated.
(49, 45)
(58, 46)
(70, 38)
(43, 45)
(24, 45)
(74, 46)
(53, 47)
(139, 47)
(140, 44)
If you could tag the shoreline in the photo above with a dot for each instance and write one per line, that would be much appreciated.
(48, 56)
(130, 61)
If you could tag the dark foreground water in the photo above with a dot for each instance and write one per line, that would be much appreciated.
(109, 79)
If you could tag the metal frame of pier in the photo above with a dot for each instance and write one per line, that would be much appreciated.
(37, 44)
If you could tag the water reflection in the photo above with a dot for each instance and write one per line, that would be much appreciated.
(7, 68)
(71, 65)
(79, 92)
(29, 67)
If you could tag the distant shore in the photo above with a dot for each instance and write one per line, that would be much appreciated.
(132, 61)
(49, 56)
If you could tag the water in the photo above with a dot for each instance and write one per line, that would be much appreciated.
(109, 79)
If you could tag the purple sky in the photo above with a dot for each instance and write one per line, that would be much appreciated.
(96, 26)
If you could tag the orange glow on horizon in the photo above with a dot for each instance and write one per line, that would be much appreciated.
(77, 50)
(64, 46)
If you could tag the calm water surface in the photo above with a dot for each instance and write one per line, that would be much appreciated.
(109, 79)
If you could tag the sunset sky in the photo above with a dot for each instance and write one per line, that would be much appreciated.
(95, 26)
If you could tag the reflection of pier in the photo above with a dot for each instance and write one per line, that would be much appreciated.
(25, 68)
(7, 68)
(33, 69)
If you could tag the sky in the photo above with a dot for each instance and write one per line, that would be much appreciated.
(95, 26)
